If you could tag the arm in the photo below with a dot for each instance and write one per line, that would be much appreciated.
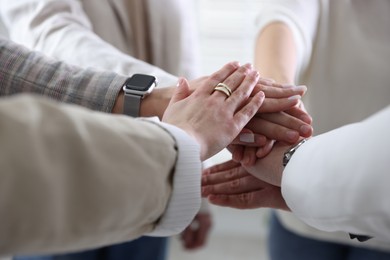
(71, 178)
(286, 34)
(344, 184)
(337, 181)
(61, 29)
(38, 74)
(276, 53)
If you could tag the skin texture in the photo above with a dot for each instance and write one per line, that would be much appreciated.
(211, 117)
(195, 235)
(230, 185)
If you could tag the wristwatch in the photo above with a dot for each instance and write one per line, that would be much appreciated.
(287, 155)
(136, 88)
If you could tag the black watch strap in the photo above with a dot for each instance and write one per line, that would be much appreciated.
(132, 105)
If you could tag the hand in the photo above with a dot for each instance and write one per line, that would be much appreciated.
(211, 117)
(196, 234)
(248, 155)
(279, 97)
(282, 117)
(270, 168)
(230, 185)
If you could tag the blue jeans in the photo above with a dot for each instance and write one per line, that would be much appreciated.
(144, 248)
(286, 245)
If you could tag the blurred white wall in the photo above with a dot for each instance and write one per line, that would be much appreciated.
(227, 31)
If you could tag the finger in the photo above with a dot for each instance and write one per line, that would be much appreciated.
(290, 122)
(249, 156)
(220, 76)
(276, 92)
(221, 167)
(224, 176)
(248, 138)
(181, 92)
(243, 115)
(267, 198)
(237, 152)
(201, 237)
(265, 150)
(200, 233)
(243, 184)
(232, 81)
(279, 104)
(300, 113)
(187, 237)
(242, 92)
(273, 131)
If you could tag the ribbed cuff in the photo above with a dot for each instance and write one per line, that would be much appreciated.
(185, 199)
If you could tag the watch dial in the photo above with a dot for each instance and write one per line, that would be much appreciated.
(140, 82)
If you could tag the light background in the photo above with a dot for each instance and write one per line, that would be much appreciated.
(227, 32)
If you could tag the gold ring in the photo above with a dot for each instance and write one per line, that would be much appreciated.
(223, 90)
(225, 86)
(222, 87)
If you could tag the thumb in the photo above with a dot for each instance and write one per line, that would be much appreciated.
(181, 92)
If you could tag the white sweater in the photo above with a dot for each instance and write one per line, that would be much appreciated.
(344, 58)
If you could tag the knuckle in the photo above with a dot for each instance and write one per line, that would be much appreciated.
(215, 77)
(245, 199)
(235, 184)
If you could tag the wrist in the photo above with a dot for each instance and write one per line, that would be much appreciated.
(118, 105)
(290, 152)
(152, 105)
(156, 103)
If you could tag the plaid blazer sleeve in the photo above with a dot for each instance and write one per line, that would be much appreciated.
(22, 70)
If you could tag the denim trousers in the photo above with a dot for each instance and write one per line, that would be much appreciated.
(286, 245)
(144, 248)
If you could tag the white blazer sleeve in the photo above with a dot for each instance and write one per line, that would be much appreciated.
(339, 181)
(73, 179)
(61, 29)
(302, 18)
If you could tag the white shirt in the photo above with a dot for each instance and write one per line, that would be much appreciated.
(344, 59)
(339, 181)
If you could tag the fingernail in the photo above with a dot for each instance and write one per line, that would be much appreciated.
(179, 82)
(255, 74)
(292, 135)
(248, 65)
(305, 129)
(247, 138)
(236, 64)
(299, 88)
(295, 97)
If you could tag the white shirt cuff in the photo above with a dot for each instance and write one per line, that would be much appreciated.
(185, 199)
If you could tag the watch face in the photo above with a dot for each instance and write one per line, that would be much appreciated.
(140, 82)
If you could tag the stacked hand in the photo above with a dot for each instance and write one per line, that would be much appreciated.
(231, 184)
(215, 119)
(257, 119)
(258, 122)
